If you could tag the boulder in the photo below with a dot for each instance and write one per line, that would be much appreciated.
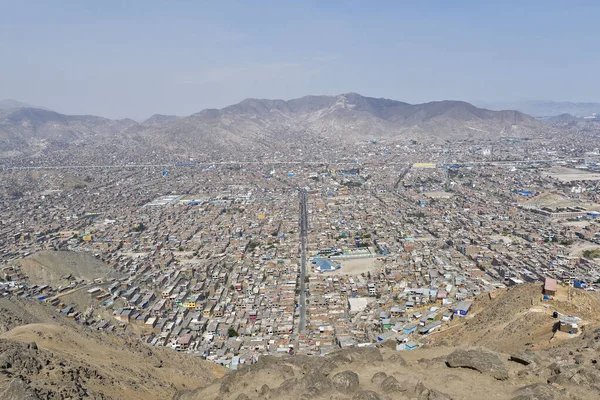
(437, 395)
(332, 361)
(346, 381)
(5, 363)
(310, 394)
(525, 358)
(538, 391)
(396, 359)
(225, 388)
(365, 354)
(424, 393)
(485, 361)
(591, 375)
(316, 383)
(562, 374)
(18, 390)
(378, 378)
(264, 389)
(391, 384)
(366, 395)
(326, 367)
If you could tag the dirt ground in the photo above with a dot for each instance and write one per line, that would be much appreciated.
(357, 266)
(49, 267)
(579, 247)
(438, 195)
(548, 199)
(569, 174)
(577, 224)
(183, 254)
(132, 254)
(187, 258)
(503, 238)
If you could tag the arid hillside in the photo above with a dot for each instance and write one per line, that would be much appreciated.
(58, 359)
(518, 318)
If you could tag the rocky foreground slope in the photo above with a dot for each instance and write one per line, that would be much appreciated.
(434, 373)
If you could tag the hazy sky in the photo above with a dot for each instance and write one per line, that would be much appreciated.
(137, 58)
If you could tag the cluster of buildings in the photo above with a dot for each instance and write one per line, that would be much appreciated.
(207, 260)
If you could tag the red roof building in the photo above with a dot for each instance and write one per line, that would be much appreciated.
(550, 287)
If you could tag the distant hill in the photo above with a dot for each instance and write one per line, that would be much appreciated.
(544, 108)
(562, 118)
(26, 130)
(337, 120)
(256, 124)
(10, 104)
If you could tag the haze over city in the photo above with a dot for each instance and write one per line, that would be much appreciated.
(133, 59)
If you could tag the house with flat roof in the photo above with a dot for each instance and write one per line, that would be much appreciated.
(411, 345)
(550, 287)
(409, 328)
(357, 304)
(462, 308)
(569, 323)
(430, 327)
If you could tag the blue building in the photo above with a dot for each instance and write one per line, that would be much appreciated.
(462, 308)
(409, 328)
(323, 265)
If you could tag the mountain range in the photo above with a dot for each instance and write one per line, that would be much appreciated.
(255, 124)
(545, 108)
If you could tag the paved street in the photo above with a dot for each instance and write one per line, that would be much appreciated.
(303, 239)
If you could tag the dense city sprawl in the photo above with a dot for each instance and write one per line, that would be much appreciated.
(205, 256)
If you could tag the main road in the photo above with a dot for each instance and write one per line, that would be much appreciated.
(303, 242)
(262, 162)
